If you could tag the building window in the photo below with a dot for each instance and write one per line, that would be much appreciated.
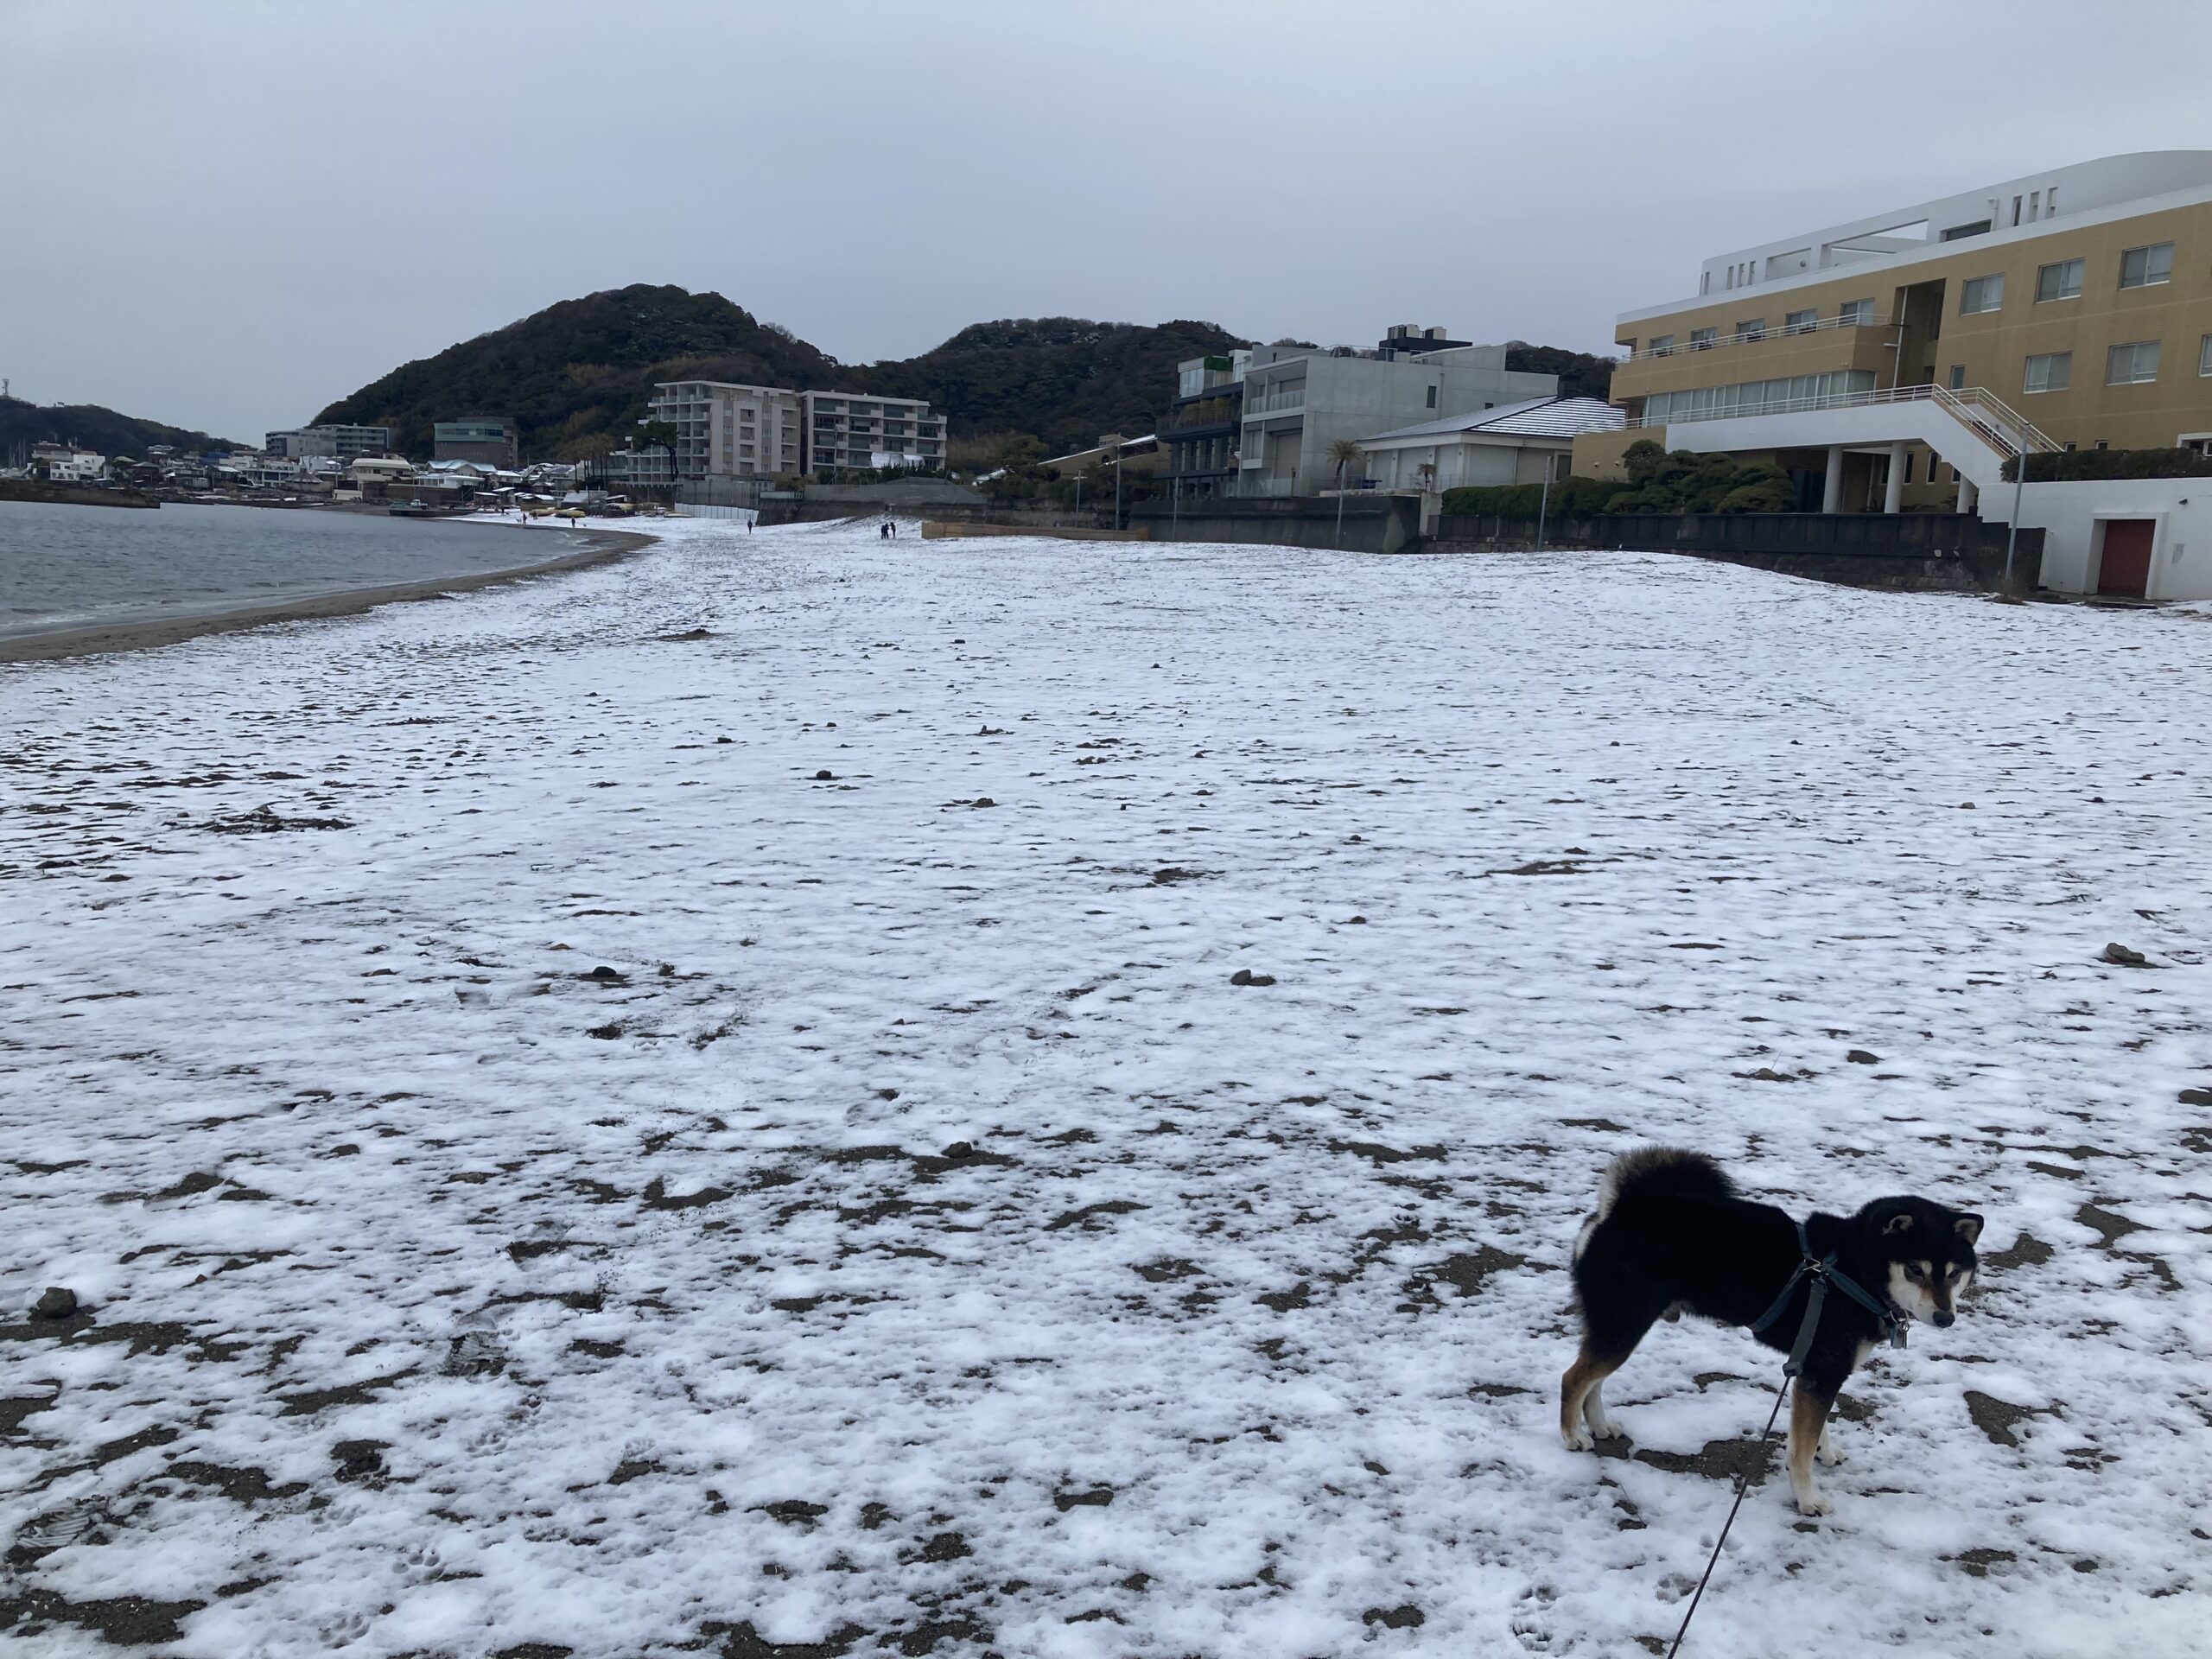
(2147, 267)
(1432, 397)
(1980, 293)
(2052, 372)
(1958, 377)
(2132, 365)
(1663, 345)
(1853, 314)
(2060, 281)
(1701, 339)
(1800, 322)
(1755, 329)
(2204, 355)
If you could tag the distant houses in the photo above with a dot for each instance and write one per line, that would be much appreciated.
(1420, 411)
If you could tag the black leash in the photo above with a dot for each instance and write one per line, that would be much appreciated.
(1822, 1270)
(1743, 1481)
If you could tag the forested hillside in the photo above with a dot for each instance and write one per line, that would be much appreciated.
(90, 427)
(1063, 379)
(577, 375)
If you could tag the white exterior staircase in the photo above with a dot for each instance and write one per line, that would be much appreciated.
(1972, 429)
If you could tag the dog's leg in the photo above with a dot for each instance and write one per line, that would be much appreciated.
(1809, 1419)
(1582, 1412)
(1827, 1453)
(1579, 1385)
(1600, 1420)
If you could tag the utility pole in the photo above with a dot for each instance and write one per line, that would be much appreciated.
(1111, 442)
(2020, 483)
(1543, 506)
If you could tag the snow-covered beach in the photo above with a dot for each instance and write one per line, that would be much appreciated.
(699, 1105)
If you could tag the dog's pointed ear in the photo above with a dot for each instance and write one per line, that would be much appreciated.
(1901, 1222)
(1969, 1227)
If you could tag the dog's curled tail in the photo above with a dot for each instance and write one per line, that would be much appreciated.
(1650, 1170)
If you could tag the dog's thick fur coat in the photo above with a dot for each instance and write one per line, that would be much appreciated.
(1671, 1235)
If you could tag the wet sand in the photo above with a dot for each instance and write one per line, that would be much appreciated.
(144, 634)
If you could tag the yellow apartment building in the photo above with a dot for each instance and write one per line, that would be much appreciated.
(1895, 362)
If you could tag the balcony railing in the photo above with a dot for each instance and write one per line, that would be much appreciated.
(2002, 427)
(1747, 336)
(1276, 404)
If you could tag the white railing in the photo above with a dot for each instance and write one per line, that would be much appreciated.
(1682, 348)
(1271, 405)
(2004, 430)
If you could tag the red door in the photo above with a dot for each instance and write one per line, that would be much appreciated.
(2126, 568)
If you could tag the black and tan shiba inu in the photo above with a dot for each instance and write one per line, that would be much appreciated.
(1671, 1235)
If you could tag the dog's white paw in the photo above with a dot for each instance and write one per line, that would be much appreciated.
(1578, 1439)
(1811, 1503)
(1827, 1453)
(1606, 1426)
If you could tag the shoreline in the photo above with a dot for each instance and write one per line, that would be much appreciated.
(150, 633)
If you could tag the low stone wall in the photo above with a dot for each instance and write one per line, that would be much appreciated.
(1937, 552)
(71, 495)
(1379, 523)
(933, 530)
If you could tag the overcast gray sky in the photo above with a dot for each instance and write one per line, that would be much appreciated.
(226, 214)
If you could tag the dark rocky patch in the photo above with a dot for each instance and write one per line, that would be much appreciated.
(2027, 1251)
(1093, 1497)
(743, 1642)
(656, 1197)
(1375, 1153)
(1090, 1212)
(1997, 1418)
(1405, 1617)
(241, 1484)
(2109, 1226)
(1246, 977)
(127, 1621)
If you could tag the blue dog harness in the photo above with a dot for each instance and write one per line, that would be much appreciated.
(1822, 1270)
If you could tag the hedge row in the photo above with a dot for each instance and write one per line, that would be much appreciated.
(2113, 463)
(1571, 498)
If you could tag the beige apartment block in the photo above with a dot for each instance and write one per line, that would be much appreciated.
(2070, 309)
(726, 430)
(860, 429)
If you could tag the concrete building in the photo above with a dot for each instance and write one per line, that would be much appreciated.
(64, 463)
(347, 442)
(487, 438)
(1198, 434)
(727, 430)
(1298, 400)
(858, 430)
(1514, 443)
(1897, 360)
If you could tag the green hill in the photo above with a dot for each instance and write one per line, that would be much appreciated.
(1063, 379)
(575, 376)
(91, 427)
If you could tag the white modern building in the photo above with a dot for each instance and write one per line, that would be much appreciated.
(1514, 443)
(1297, 401)
(64, 463)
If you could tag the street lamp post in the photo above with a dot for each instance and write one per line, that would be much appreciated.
(2020, 483)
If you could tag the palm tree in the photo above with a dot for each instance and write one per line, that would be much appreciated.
(1342, 452)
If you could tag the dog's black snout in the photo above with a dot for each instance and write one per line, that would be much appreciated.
(1944, 1316)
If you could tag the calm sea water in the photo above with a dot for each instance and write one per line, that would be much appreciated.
(64, 567)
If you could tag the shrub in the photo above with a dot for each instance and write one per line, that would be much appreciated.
(1571, 498)
(2113, 463)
